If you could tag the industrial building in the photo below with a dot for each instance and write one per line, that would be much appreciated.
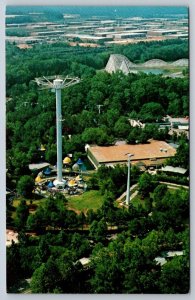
(109, 31)
(86, 37)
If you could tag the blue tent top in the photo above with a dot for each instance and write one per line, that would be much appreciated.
(79, 161)
(50, 184)
(47, 171)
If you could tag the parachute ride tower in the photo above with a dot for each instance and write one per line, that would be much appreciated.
(56, 84)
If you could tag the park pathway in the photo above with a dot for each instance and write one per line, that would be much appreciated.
(121, 198)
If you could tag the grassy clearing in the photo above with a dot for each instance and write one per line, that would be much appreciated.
(16, 202)
(89, 200)
(137, 200)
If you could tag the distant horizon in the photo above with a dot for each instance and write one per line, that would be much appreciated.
(111, 11)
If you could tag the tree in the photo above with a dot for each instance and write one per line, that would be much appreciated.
(107, 208)
(13, 266)
(80, 245)
(181, 158)
(145, 184)
(122, 127)
(55, 212)
(106, 185)
(140, 271)
(159, 193)
(151, 111)
(96, 136)
(91, 216)
(98, 230)
(151, 243)
(22, 213)
(45, 279)
(108, 276)
(25, 185)
(174, 276)
(38, 220)
(172, 210)
(19, 160)
(81, 219)
(134, 134)
(43, 250)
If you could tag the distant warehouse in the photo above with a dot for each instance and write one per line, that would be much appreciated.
(153, 153)
(86, 37)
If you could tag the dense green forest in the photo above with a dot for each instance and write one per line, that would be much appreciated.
(31, 112)
(121, 263)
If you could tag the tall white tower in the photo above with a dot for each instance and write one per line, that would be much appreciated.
(128, 179)
(57, 83)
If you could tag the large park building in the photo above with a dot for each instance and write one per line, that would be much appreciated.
(154, 153)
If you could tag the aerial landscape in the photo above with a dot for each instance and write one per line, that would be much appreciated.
(97, 150)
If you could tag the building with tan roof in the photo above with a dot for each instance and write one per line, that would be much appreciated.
(151, 154)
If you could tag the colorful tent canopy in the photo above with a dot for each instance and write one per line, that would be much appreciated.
(75, 167)
(38, 179)
(47, 171)
(50, 184)
(40, 174)
(42, 148)
(72, 183)
(78, 178)
(67, 160)
(79, 162)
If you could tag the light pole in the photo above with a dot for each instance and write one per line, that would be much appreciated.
(57, 83)
(99, 107)
(128, 179)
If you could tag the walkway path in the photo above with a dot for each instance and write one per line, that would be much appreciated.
(174, 185)
(121, 198)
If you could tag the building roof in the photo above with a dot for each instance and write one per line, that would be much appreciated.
(161, 260)
(85, 261)
(178, 120)
(174, 169)
(38, 166)
(118, 153)
(174, 253)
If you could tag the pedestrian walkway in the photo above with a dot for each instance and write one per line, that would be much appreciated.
(122, 197)
(174, 185)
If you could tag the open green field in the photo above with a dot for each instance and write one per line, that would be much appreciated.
(16, 202)
(136, 201)
(89, 200)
